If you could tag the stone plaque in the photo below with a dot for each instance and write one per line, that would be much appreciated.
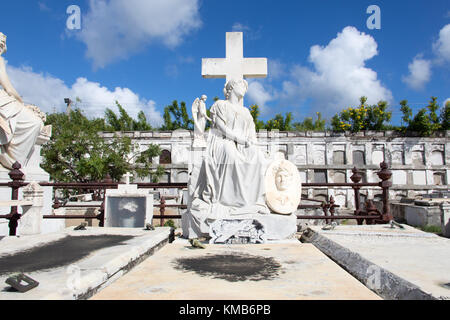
(319, 154)
(126, 212)
(358, 158)
(300, 154)
(437, 158)
(339, 157)
(236, 231)
(320, 176)
(417, 157)
(283, 186)
(128, 207)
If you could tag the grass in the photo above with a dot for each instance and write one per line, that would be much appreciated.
(431, 229)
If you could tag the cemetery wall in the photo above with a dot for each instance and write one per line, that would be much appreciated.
(419, 164)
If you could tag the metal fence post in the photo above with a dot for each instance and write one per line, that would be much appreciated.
(17, 179)
(385, 174)
(162, 210)
(356, 178)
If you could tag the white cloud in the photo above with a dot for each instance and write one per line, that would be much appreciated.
(276, 69)
(259, 95)
(48, 93)
(419, 73)
(115, 29)
(43, 6)
(339, 76)
(239, 27)
(442, 46)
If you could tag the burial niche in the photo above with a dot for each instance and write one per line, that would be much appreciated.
(358, 158)
(320, 176)
(339, 157)
(439, 178)
(165, 157)
(437, 158)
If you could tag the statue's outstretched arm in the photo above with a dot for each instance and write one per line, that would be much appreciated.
(6, 83)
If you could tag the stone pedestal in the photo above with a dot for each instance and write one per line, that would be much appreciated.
(445, 219)
(33, 172)
(128, 207)
(253, 228)
(31, 221)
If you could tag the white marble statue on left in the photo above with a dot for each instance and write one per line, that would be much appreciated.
(199, 115)
(20, 124)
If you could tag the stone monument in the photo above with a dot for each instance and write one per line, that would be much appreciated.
(128, 206)
(22, 133)
(227, 199)
(199, 115)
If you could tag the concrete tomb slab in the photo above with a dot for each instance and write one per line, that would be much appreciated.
(395, 263)
(75, 264)
(287, 271)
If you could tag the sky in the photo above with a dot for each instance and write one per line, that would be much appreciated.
(322, 55)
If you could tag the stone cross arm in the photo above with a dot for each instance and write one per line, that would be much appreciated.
(234, 65)
(213, 68)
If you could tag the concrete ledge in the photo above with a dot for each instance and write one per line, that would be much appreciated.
(83, 278)
(397, 264)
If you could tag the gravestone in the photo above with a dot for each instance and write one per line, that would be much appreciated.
(217, 207)
(437, 158)
(128, 206)
(339, 157)
(320, 176)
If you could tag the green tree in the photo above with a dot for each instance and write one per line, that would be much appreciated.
(363, 117)
(77, 152)
(124, 122)
(445, 117)
(308, 124)
(425, 121)
(280, 122)
(254, 111)
(407, 113)
(176, 117)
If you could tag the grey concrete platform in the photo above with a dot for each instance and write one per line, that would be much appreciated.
(282, 270)
(395, 263)
(82, 278)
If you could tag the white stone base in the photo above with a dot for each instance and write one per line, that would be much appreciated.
(445, 219)
(275, 226)
(31, 174)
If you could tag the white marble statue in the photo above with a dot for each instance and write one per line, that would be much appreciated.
(231, 178)
(283, 187)
(199, 115)
(20, 125)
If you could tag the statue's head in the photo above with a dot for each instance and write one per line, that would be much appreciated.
(283, 179)
(204, 97)
(2, 43)
(239, 87)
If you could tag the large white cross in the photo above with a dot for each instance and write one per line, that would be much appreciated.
(234, 66)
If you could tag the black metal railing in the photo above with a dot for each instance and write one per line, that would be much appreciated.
(370, 214)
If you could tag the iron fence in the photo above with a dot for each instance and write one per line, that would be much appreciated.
(370, 214)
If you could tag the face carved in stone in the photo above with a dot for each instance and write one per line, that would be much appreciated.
(283, 179)
(240, 89)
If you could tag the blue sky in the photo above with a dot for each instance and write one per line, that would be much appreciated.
(147, 53)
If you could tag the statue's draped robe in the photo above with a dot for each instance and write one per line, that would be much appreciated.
(231, 178)
(24, 127)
